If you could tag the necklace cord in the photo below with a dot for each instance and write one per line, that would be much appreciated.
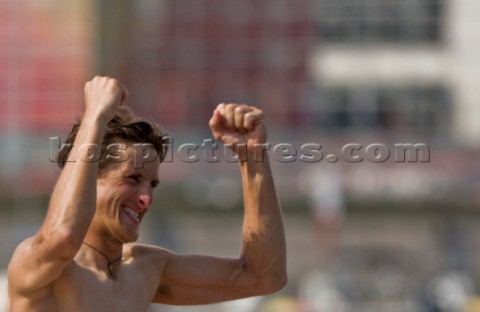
(109, 263)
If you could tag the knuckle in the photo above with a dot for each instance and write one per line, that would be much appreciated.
(239, 109)
(243, 109)
(230, 106)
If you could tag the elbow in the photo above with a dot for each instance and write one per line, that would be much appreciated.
(271, 283)
(274, 283)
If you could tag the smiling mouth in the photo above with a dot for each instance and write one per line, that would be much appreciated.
(133, 215)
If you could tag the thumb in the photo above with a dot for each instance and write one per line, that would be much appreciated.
(124, 94)
(216, 124)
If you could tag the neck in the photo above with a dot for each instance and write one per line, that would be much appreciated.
(110, 262)
(104, 253)
(99, 238)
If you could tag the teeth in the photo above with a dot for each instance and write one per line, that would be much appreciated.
(132, 213)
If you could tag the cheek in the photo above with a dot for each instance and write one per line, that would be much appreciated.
(102, 194)
(115, 196)
(106, 197)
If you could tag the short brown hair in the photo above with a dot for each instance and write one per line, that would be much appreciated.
(125, 125)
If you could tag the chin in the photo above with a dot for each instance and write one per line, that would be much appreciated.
(130, 239)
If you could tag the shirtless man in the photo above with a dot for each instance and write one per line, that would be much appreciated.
(83, 257)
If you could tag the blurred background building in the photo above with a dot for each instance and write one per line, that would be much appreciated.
(327, 72)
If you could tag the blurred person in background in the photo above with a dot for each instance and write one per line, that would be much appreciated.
(83, 257)
(324, 186)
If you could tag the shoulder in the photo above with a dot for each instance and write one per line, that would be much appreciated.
(22, 280)
(17, 263)
(24, 247)
(146, 253)
(146, 260)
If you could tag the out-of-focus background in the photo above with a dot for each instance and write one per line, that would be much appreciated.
(394, 230)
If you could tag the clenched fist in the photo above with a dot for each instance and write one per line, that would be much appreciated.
(238, 125)
(103, 96)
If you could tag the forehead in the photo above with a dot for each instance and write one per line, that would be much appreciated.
(135, 157)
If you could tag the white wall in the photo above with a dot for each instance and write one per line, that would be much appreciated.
(454, 63)
(464, 43)
(3, 291)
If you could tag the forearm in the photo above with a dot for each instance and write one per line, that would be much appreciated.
(72, 205)
(264, 249)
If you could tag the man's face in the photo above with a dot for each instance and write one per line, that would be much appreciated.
(124, 193)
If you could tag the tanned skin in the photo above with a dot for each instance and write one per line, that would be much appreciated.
(53, 271)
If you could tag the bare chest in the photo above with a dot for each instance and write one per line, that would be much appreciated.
(82, 289)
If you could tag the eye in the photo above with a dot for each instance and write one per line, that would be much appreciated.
(154, 184)
(134, 178)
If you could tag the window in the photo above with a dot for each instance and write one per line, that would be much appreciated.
(373, 21)
(421, 110)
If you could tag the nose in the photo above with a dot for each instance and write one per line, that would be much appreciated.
(145, 199)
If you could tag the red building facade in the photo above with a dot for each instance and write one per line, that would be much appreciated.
(45, 55)
(192, 55)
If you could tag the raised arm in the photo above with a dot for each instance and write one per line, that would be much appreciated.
(261, 267)
(39, 260)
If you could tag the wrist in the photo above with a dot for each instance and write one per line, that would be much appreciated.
(251, 153)
(95, 120)
(256, 161)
